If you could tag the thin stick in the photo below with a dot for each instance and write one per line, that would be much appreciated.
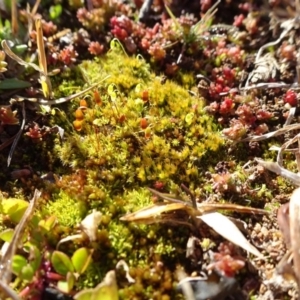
(187, 190)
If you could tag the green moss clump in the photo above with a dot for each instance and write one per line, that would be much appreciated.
(144, 130)
(140, 131)
(69, 211)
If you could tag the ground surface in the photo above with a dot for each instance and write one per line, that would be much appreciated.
(188, 98)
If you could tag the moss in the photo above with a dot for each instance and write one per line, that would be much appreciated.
(119, 156)
(91, 277)
(177, 133)
(69, 211)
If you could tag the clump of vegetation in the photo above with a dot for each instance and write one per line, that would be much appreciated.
(138, 129)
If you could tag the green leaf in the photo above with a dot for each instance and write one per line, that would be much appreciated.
(81, 259)
(55, 11)
(107, 289)
(84, 295)
(49, 223)
(63, 286)
(67, 286)
(18, 263)
(14, 83)
(7, 235)
(71, 280)
(27, 273)
(62, 264)
(14, 208)
(36, 258)
(20, 49)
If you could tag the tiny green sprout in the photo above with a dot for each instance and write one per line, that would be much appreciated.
(116, 45)
(48, 224)
(196, 32)
(55, 11)
(18, 263)
(189, 118)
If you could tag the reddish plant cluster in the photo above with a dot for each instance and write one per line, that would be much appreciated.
(221, 182)
(68, 55)
(7, 116)
(240, 117)
(73, 184)
(95, 48)
(227, 262)
(43, 278)
(291, 98)
(35, 132)
(121, 27)
(94, 19)
(49, 28)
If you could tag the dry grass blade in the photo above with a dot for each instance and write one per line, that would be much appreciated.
(58, 35)
(170, 213)
(206, 20)
(158, 213)
(276, 168)
(267, 85)
(17, 137)
(211, 207)
(8, 292)
(227, 229)
(19, 60)
(200, 208)
(6, 260)
(287, 26)
(14, 18)
(44, 78)
(41, 46)
(295, 232)
(271, 134)
(290, 116)
(185, 286)
(66, 99)
(7, 142)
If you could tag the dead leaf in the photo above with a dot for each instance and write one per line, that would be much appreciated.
(227, 229)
